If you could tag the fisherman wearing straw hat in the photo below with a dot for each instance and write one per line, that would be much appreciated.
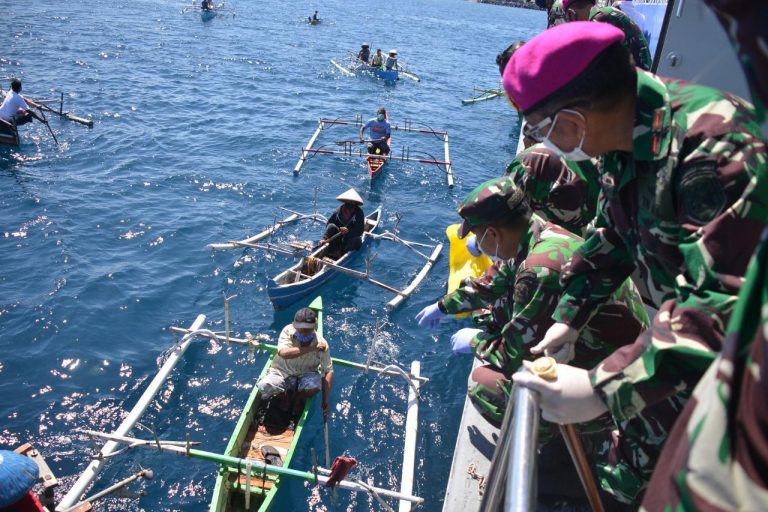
(302, 365)
(344, 230)
(391, 62)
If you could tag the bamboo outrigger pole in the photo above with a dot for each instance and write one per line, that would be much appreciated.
(240, 464)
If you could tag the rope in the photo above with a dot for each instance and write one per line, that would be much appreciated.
(373, 493)
(472, 471)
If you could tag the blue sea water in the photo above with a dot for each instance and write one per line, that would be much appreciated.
(197, 129)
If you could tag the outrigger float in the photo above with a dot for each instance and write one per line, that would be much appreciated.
(314, 268)
(246, 481)
(354, 148)
(485, 95)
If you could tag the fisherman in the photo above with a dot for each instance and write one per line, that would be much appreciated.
(379, 133)
(391, 62)
(364, 54)
(683, 182)
(16, 108)
(521, 290)
(206, 5)
(378, 59)
(302, 366)
(634, 40)
(314, 16)
(344, 229)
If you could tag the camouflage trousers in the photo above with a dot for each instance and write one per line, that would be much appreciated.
(624, 455)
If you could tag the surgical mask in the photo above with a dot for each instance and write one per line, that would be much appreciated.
(495, 256)
(380, 117)
(304, 339)
(577, 154)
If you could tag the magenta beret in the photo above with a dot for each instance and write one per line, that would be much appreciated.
(549, 61)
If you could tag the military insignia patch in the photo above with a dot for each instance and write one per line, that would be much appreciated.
(525, 286)
(702, 197)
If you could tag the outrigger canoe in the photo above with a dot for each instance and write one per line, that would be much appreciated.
(9, 133)
(261, 425)
(376, 165)
(310, 273)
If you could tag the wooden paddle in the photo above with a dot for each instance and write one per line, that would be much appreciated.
(45, 121)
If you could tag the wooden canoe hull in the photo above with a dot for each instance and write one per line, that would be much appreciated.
(291, 285)
(246, 441)
(207, 15)
(9, 134)
(375, 165)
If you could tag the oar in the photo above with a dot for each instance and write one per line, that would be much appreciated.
(67, 115)
(45, 121)
(327, 446)
(273, 348)
(361, 275)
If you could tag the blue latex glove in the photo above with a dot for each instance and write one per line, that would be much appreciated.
(472, 246)
(461, 338)
(430, 316)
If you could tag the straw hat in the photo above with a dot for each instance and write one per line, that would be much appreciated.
(350, 196)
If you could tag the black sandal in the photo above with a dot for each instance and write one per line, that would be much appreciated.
(272, 456)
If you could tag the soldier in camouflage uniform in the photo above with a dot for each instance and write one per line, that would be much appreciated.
(561, 191)
(634, 39)
(682, 205)
(555, 14)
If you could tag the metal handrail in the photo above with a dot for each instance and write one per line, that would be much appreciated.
(512, 477)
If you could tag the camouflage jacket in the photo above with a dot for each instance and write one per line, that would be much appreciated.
(556, 14)
(684, 212)
(716, 455)
(561, 191)
(634, 40)
(524, 293)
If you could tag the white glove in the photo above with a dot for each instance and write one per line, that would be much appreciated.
(461, 338)
(472, 246)
(430, 316)
(568, 399)
(558, 342)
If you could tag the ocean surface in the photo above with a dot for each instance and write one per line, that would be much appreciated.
(197, 129)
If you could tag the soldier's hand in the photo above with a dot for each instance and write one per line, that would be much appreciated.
(558, 342)
(430, 316)
(569, 398)
(322, 346)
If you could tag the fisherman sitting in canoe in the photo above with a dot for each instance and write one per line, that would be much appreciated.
(391, 62)
(379, 132)
(17, 109)
(302, 366)
(206, 5)
(378, 59)
(364, 54)
(345, 227)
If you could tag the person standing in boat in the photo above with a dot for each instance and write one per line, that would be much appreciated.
(379, 133)
(377, 60)
(682, 205)
(634, 39)
(206, 5)
(365, 53)
(345, 227)
(302, 366)
(16, 108)
(314, 16)
(391, 62)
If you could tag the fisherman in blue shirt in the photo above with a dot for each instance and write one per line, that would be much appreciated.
(379, 133)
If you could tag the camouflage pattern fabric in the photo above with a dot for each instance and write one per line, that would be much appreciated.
(561, 191)
(716, 456)
(746, 23)
(683, 214)
(556, 14)
(634, 40)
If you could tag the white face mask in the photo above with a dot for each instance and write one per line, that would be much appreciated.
(495, 256)
(577, 154)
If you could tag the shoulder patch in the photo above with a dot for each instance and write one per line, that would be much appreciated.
(525, 285)
(701, 194)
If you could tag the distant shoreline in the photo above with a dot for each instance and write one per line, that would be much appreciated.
(512, 3)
